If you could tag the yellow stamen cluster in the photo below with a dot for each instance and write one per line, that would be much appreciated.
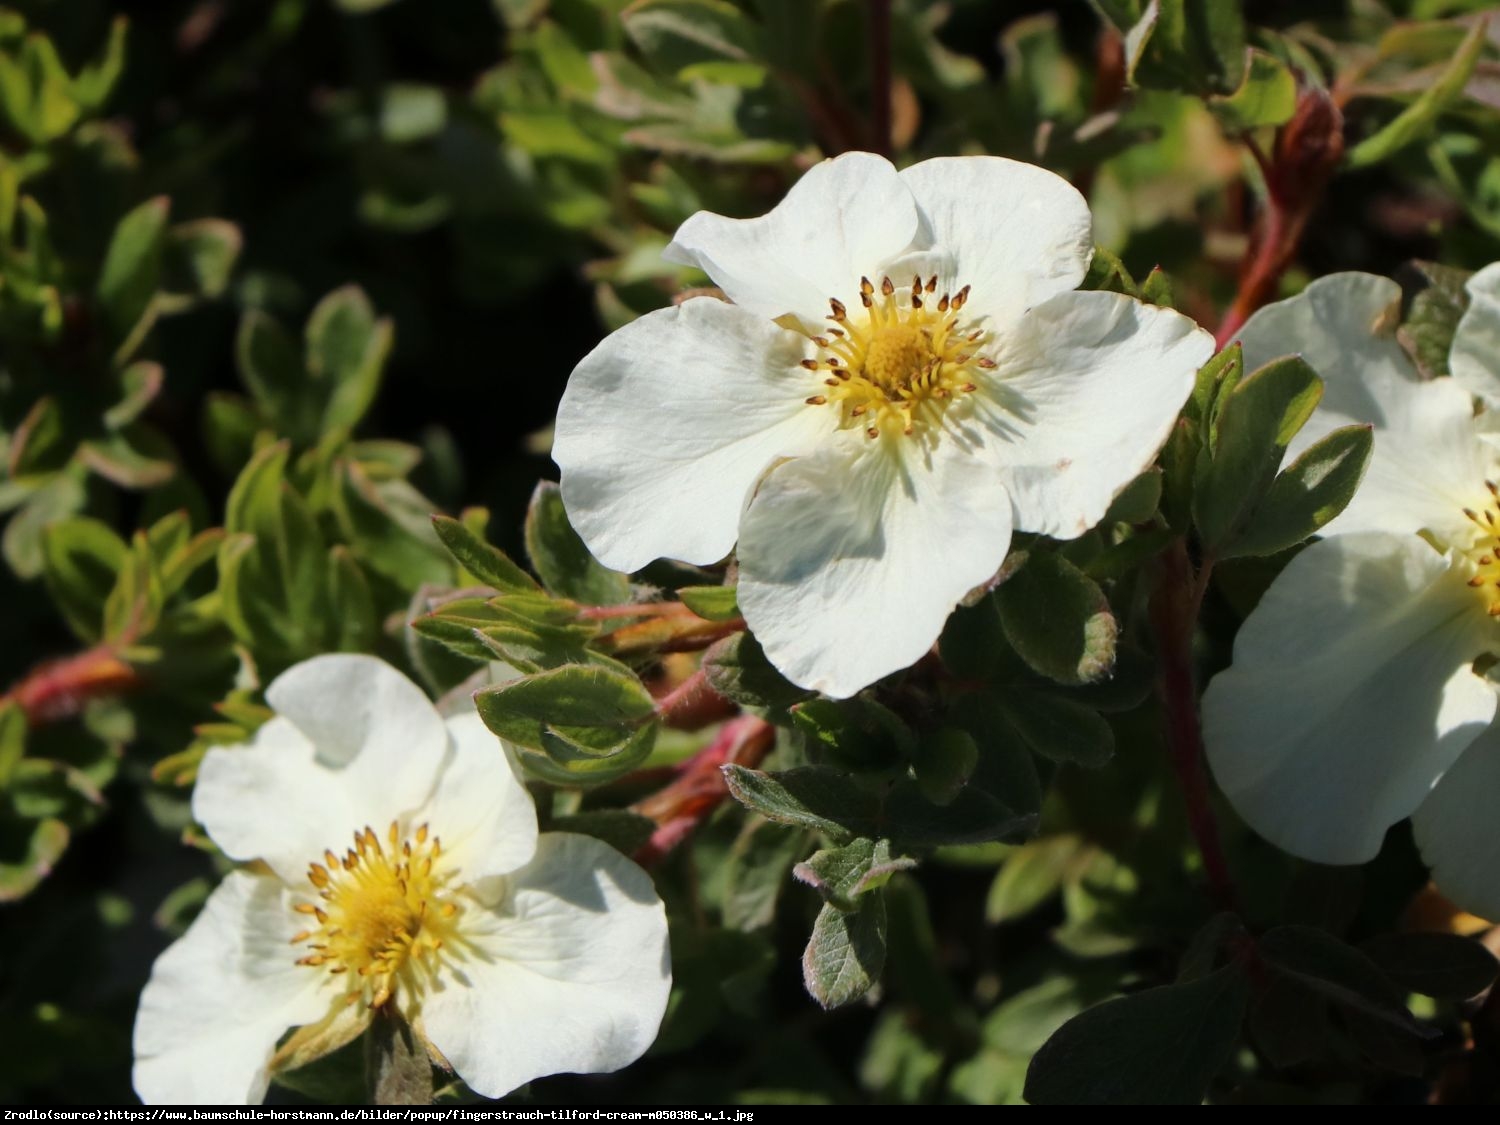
(384, 914)
(1485, 550)
(906, 362)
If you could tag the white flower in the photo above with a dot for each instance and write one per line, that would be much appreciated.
(904, 377)
(1353, 701)
(399, 864)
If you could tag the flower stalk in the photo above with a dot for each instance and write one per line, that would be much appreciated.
(1174, 617)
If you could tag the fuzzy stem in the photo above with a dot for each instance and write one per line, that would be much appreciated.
(1174, 616)
(692, 704)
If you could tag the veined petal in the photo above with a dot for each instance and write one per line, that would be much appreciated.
(1474, 359)
(666, 426)
(1017, 234)
(220, 997)
(1350, 694)
(839, 222)
(306, 782)
(1087, 388)
(480, 810)
(1457, 832)
(1427, 460)
(851, 559)
(571, 972)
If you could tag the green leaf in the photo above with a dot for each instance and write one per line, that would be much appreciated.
(1310, 492)
(846, 953)
(81, 558)
(1268, 96)
(1428, 330)
(1107, 273)
(347, 348)
(12, 740)
(580, 722)
(737, 669)
(576, 698)
(855, 733)
(132, 267)
(273, 565)
(1196, 46)
(843, 875)
(1031, 875)
(44, 846)
(489, 565)
(1289, 1023)
(1419, 117)
(1254, 422)
(1162, 1046)
(759, 864)
(1137, 501)
(559, 557)
(686, 37)
(200, 257)
(1058, 620)
(621, 829)
(1318, 961)
(351, 604)
(1446, 966)
(272, 370)
(1058, 728)
(943, 763)
(712, 603)
(828, 800)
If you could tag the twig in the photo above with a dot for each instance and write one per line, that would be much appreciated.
(880, 76)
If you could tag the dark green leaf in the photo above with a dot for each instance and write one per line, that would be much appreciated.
(1340, 973)
(346, 352)
(1162, 1046)
(1059, 621)
(1254, 421)
(737, 668)
(1447, 966)
(1058, 728)
(1307, 494)
(621, 829)
(843, 875)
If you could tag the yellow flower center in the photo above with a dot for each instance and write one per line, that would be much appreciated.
(899, 369)
(384, 915)
(1483, 553)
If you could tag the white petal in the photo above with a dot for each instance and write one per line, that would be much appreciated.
(1474, 358)
(480, 810)
(852, 559)
(354, 706)
(666, 426)
(220, 997)
(571, 974)
(1018, 234)
(1088, 386)
(839, 222)
(1350, 693)
(1428, 462)
(1342, 325)
(285, 798)
(1457, 831)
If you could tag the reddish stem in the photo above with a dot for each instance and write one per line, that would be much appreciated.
(693, 704)
(1174, 616)
(58, 689)
(700, 787)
